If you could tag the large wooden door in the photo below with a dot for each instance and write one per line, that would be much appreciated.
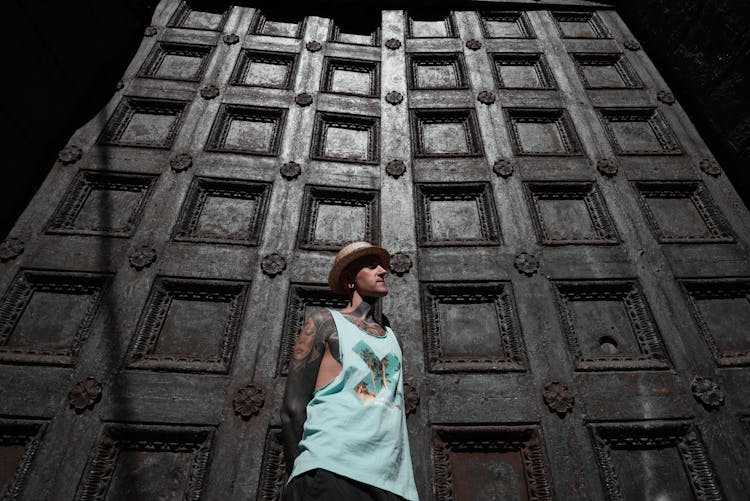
(569, 281)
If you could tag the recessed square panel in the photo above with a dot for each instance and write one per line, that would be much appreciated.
(19, 442)
(273, 470)
(472, 327)
(102, 203)
(291, 28)
(357, 32)
(189, 325)
(542, 131)
(429, 25)
(682, 212)
(671, 451)
(150, 123)
(148, 462)
(45, 316)
(333, 217)
(721, 308)
(223, 211)
(349, 76)
(608, 326)
(176, 61)
(246, 129)
(264, 69)
(522, 71)
(570, 213)
(456, 214)
(489, 462)
(506, 24)
(445, 133)
(580, 25)
(186, 17)
(437, 71)
(346, 138)
(606, 71)
(639, 131)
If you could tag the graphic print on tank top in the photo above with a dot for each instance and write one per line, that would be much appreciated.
(382, 375)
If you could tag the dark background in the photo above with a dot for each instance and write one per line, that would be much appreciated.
(66, 59)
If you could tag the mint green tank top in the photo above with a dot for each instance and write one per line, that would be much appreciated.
(356, 424)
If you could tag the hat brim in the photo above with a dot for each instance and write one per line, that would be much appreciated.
(334, 277)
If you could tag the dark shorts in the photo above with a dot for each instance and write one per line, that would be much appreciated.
(322, 485)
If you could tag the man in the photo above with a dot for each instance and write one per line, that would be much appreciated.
(343, 420)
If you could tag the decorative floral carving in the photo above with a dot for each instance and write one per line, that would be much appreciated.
(526, 264)
(230, 38)
(210, 91)
(411, 399)
(710, 167)
(290, 170)
(395, 168)
(70, 155)
(142, 257)
(607, 166)
(474, 44)
(631, 45)
(394, 97)
(303, 99)
(248, 401)
(503, 167)
(486, 97)
(707, 392)
(393, 43)
(11, 249)
(313, 46)
(558, 397)
(85, 394)
(273, 264)
(400, 263)
(150, 31)
(120, 85)
(665, 97)
(181, 162)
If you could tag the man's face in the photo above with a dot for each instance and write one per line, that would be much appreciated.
(369, 281)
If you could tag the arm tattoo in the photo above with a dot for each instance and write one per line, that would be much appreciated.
(318, 329)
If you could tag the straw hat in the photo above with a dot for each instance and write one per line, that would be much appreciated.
(348, 255)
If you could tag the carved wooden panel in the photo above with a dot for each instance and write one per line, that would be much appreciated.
(542, 131)
(273, 469)
(336, 34)
(522, 71)
(176, 61)
(264, 69)
(189, 325)
(639, 131)
(605, 71)
(424, 25)
(45, 316)
(506, 24)
(102, 203)
(609, 326)
(246, 129)
(187, 17)
(346, 138)
(19, 441)
(629, 452)
(483, 462)
(144, 122)
(139, 461)
(261, 25)
(580, 25)
(445, 133)
(351, 76)
(437, 71)
(471, 327)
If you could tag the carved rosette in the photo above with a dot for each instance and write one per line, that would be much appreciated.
(273, 264)
(558, 398)
(313, 46)
(411, 399)
(11, 249)
(230, 38)
(473, 44)
(210, 91)
(69, 155)
(393, 43)
(395, 168)
(526, 264)
(181, 162)
(290, 170)
(120, 85)
(607, 166)
(248, 401)
(400, 263)
(486, 97)
(665, 97)
(710, 167)
(142, 257)
(631, 45)
(707, 392)
(85, 394)
(394, 97)
(150, 31)
(503, 167)
(303, 99)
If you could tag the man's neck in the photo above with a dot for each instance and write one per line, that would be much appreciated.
(361, 307)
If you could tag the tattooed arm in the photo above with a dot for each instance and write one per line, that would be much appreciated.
(318, 331)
